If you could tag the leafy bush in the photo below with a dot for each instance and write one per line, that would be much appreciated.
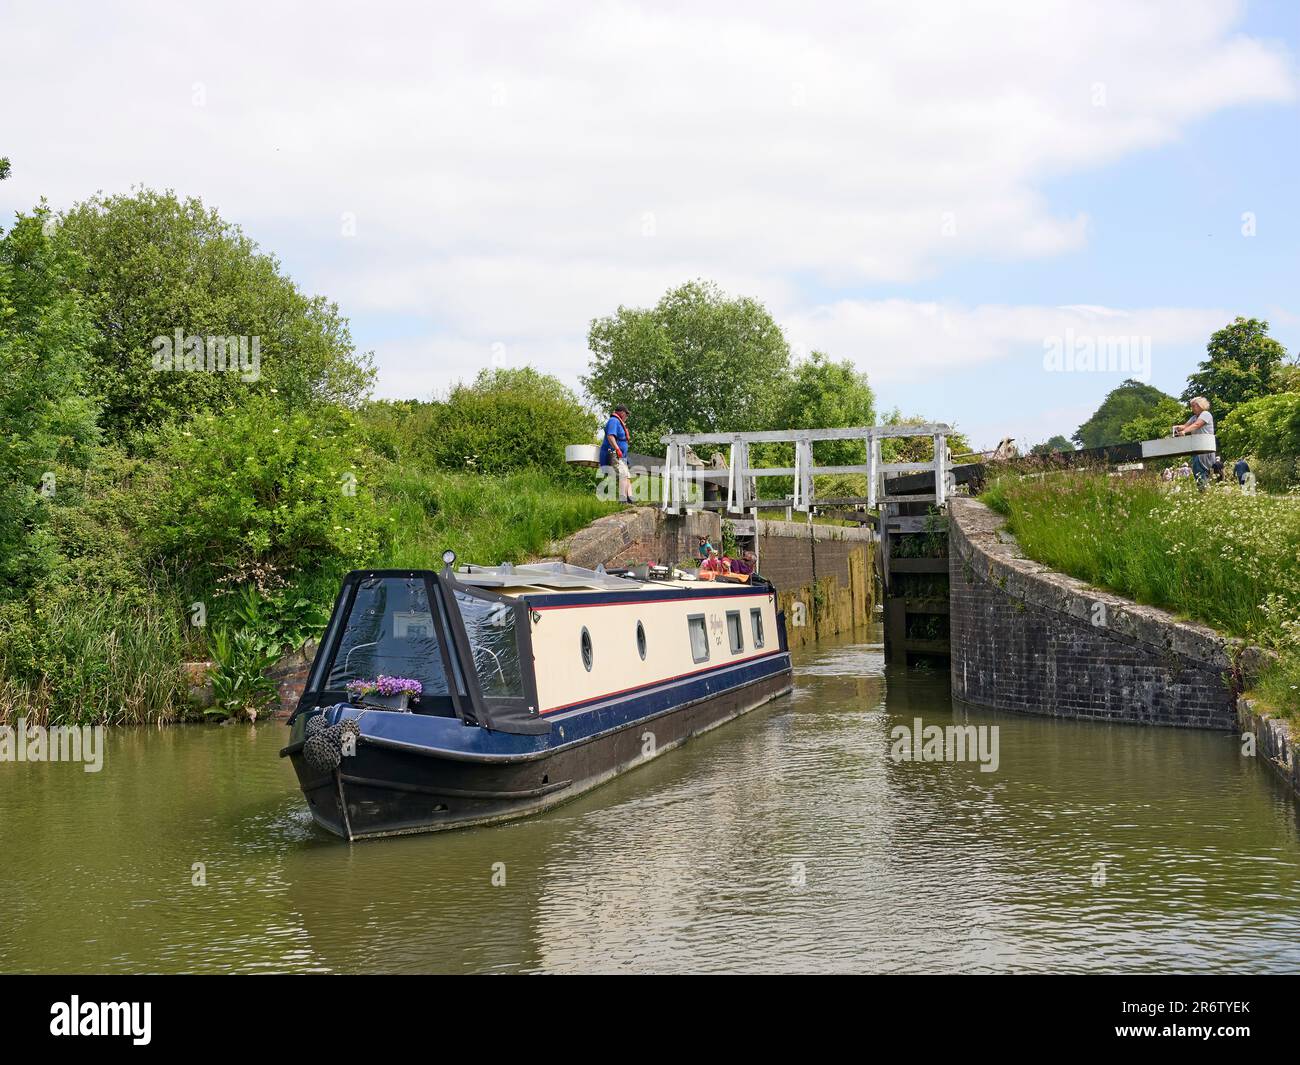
(1281, 474)
(103, 524)
(1268, 427)
(262, 493)
(507, 420)
(281, 621)
(239, 681)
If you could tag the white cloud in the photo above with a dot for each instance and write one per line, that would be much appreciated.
(516, 168)
(897, 339)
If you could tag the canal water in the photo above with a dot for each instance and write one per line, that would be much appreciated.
(787, 840)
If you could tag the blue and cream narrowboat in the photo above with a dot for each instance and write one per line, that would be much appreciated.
(536, 683)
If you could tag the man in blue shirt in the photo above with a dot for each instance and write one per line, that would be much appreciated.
(613, 451)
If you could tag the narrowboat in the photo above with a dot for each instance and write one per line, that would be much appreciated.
(470, 695)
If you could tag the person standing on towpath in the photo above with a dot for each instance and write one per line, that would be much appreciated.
(1201, 421)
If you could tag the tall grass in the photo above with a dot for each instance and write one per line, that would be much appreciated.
(96, 663)
(1221, 557)
(484, 519)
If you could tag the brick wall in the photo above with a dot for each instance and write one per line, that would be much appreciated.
(1029, 639)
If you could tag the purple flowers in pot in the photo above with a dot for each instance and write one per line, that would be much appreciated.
(387, 686)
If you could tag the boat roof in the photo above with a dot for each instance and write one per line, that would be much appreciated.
(552, 577)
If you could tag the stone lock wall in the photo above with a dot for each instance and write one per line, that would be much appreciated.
(824, 576)
(642, 534)
(1029, 639)
(1274, 743)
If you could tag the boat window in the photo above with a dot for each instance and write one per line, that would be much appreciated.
(640, 640)
(756, 623)
(490, 627)
(586, 649)
(699, 637)
(735, 633)
(389, 630)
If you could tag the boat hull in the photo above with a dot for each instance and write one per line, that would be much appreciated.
(391, 786)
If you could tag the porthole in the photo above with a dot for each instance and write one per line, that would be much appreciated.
(640, 640)
(586, 649)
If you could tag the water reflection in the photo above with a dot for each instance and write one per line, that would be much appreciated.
(788, 840)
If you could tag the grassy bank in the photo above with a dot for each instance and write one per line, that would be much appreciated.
(484, 519)
(90, 647)
(1220, 557)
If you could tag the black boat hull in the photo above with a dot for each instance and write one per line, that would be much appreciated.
(387, 790)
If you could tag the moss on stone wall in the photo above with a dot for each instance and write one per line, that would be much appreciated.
(831, 606)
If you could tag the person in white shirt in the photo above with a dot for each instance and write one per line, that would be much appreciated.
(1201, 421)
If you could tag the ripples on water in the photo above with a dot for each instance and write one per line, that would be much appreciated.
(787, 840)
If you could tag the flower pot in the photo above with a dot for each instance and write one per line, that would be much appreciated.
(401, 701)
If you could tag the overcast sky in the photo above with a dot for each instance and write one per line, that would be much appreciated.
(944, 193)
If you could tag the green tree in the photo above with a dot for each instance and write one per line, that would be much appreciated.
(1056, 443)
(820, 393)
(1267, 427)
(46, 334)
(1130, 400)
(824, 394)
(1157, 422)
(696, 361)
(1243, 364)
(1288, 378)
(155, 265)
(4, 167)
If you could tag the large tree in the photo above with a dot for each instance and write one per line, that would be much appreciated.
(821, 393)
(1129, 401)
(697, 360)
(45, 338)
(1243, 364)
(156, 266)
